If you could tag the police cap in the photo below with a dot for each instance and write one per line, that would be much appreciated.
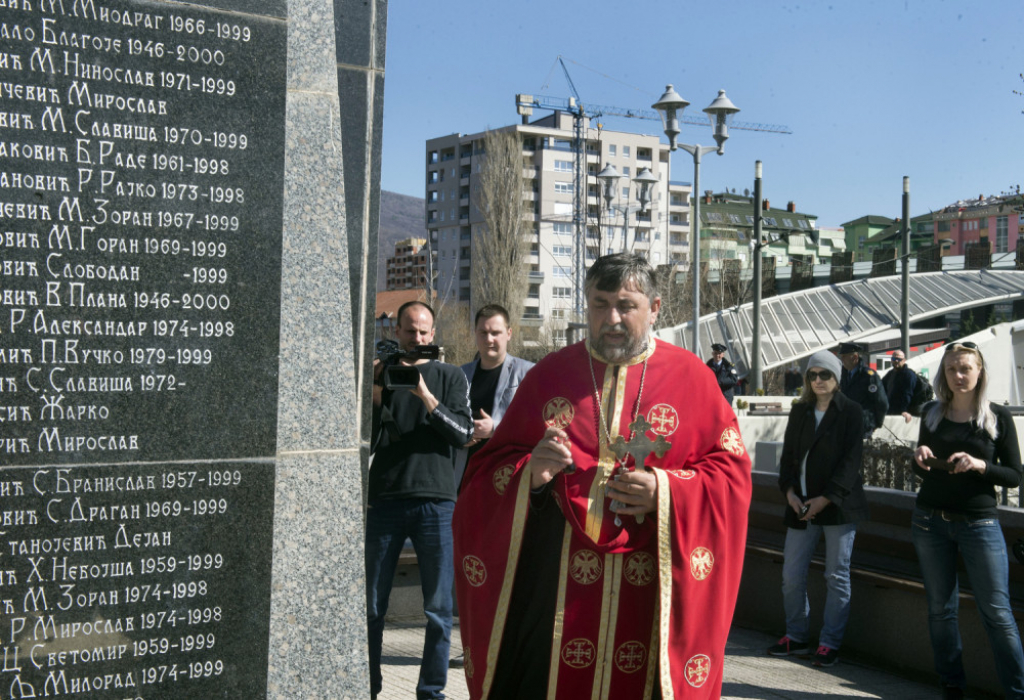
(718, 347)
(847, 348)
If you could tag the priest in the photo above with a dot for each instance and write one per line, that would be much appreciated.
(599, 535)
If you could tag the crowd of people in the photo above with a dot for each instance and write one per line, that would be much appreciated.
(591, 510)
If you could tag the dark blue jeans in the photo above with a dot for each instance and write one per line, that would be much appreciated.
(980, 542)
(428, 523)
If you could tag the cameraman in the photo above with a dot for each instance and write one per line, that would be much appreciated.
(412, 494)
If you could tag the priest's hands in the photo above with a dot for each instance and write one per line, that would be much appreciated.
(549, 457)
(636, 492)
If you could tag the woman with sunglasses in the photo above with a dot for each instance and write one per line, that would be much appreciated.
(820, 476)
(967, 447)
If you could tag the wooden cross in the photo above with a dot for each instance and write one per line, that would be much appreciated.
(640, 446)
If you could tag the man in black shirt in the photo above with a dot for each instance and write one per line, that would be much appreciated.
(493, 379)
(412, 495)
(900, 383)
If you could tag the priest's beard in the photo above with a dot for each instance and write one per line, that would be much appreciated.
(634, 345)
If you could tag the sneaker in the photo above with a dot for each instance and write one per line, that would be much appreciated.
(788, 647)
(826, 656)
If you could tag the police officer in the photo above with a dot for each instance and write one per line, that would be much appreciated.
(724, 371)
(863, 385)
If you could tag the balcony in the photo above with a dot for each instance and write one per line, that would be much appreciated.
(535, 277)
(532, 320)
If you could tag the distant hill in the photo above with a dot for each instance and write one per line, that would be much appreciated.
(401, 217)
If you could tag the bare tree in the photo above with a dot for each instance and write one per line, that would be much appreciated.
(499, 274)
(455, 333)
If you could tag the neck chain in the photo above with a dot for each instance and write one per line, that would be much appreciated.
(599, 419)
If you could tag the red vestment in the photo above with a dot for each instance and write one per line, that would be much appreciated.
(657, 595)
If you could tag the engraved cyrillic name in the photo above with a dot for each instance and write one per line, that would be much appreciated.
(141, 188)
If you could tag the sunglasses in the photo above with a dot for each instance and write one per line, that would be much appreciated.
(824, 375)
(957, 344)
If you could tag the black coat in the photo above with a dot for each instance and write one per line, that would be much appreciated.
(833, 452)
(726, 376)
(865, 387)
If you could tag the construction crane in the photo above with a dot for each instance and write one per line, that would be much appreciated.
(525, 104)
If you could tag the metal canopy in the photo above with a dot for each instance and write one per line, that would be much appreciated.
(799, 324)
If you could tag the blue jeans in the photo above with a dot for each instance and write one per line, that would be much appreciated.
(428, 523)
(799, 549)
(983, 548)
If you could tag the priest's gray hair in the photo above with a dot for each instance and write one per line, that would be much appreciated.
(610, 273)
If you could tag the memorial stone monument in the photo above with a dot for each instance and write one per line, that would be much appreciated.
(182, 344)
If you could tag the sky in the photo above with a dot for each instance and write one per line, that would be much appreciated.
(873, 90)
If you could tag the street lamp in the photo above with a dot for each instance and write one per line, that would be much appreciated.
(609, 178)
(720, 112)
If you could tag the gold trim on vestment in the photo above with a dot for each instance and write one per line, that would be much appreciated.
(515, 546)
(605, 647)
(613, 390)
(556, 636)
(664, 580)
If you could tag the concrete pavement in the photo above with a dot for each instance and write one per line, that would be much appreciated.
(749, 671)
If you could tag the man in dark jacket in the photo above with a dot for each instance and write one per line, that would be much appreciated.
(724, 371)
(412, 495)
(863, 385)
(900, 383)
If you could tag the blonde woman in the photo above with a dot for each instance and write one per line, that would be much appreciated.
(966, 448)
(820, 475)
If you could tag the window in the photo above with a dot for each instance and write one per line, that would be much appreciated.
(625, 171)
(625, 193)
(788, 223)
(563, 166)
(562, 208)
(563, 188)
(1001, 234)
(561, 251)
(625, 151)
(803, 223)
(611, 149)
(562, 229)
(715, 217)
(734, 219)
(561, 292)
(561, 271)
(558, 335)
(943, 226)
(442, 215)
(770, 220)
(558, 313)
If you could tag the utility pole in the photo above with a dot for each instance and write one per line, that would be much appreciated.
(905, 296)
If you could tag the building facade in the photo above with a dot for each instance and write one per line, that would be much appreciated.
(727, 224)
(454, 165)
(967, 222)
(408, 267)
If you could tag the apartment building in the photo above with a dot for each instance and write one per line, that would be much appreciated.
(454, 165)
(727, 222)
(407, 268)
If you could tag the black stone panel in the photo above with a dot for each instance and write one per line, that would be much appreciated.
(352, 31)
(137, 581)
(269, 8)
(141, 187)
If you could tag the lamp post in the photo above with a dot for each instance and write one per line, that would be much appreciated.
(755, 346)
(645, 180)
(720, 112)
(905, 290)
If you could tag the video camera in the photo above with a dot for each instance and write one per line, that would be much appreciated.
(396, 375)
